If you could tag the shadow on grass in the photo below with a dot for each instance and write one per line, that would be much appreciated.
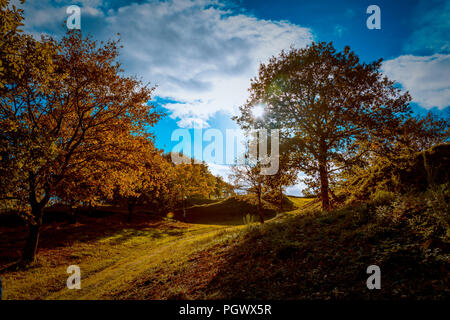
(127, 234)
(106, 224)
(325, 257)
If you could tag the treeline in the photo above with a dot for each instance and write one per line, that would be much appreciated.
(75, 130)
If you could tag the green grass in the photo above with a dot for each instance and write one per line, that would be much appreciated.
(227, 212)
(309, 254)
(317, 255)
(108, 262)
(304, 203)
(302, 254)
(113, 254)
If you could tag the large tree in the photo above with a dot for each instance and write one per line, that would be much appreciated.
(325, 103)
(22, 60)
(81, 110)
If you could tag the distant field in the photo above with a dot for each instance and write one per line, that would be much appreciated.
(302, 202)
(227, 212)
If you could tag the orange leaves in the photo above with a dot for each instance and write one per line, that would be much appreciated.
(78, 126)
(192, 179)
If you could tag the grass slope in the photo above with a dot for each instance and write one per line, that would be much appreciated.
(310, 255)
(302, 254)
(227, 212)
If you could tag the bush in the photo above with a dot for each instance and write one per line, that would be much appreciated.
(248, 219)
(427, 213)
(434, 222)
(406, 173)
(382, 197)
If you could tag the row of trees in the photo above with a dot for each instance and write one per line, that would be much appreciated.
(336, 117)
(74, 129)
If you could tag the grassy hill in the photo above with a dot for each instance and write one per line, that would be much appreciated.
(309, 254)
(230, 211)
(300, 254)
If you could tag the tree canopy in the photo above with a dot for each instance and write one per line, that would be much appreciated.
(326, 104)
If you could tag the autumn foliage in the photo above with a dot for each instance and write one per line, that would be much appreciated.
(74, 129)
(335, 113)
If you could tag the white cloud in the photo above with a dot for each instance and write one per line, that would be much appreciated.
(221, 170)
(295, 190)
(198, 52)
(426, 78)
(42, 16)
(189, 122)
(201, 55)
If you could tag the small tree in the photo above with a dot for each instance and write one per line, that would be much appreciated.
(223, 189)
(190, 180)
(248, 176)
(276, 183)
(143, 180)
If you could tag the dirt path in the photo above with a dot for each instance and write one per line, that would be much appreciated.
(121, 274)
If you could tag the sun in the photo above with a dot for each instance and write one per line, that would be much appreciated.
(258, 111)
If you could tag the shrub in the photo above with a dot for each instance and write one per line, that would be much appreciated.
(170, 215)
(382, 197)
(434, 221)
(248, 219)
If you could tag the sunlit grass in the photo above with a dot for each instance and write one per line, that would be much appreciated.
(304, 203)
(111, 264)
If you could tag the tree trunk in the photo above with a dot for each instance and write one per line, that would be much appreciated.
(281, 198)
(130, 210)
(184, 209)
(334, 199)
(323, 172)
(73, 214)
(260, 214)
(31, 244)
(90, 208)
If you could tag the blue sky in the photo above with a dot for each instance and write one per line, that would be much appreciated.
(202, 53)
